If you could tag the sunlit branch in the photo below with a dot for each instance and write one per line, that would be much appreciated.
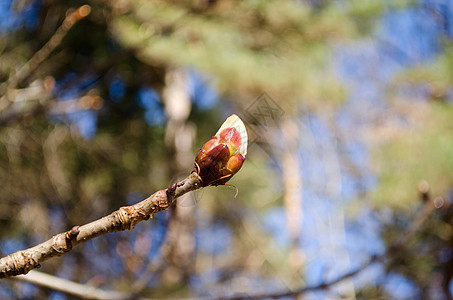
(83, 291)
(125, 218)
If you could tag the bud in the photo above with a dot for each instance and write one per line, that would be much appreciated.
(223, 155)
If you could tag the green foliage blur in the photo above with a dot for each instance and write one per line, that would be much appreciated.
(81, 135)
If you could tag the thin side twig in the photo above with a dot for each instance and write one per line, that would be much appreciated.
(83, 291)
(125, 218)
(429, 207)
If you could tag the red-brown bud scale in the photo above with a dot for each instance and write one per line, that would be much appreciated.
(223, 155)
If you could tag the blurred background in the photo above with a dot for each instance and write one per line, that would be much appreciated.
(348, 106)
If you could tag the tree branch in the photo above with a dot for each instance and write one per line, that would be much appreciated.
(125, 218)
(83, 291)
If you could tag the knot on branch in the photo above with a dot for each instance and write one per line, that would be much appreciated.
(73, 233)
(123, 219)
(17, 263)
(62, 243)
(160, 201)
(170, 192)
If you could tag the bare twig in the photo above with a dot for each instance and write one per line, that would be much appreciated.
(395, 247)
(125, 218)
(42, 54)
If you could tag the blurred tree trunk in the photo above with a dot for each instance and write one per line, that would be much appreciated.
(293, 197)
(333, 190)
(180, 243)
